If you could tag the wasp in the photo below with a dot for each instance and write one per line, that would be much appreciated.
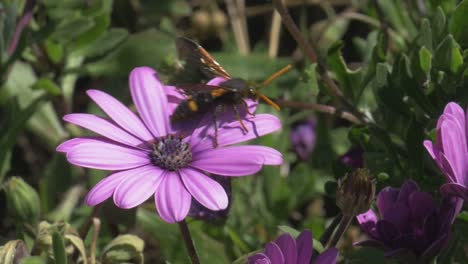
(203, 98)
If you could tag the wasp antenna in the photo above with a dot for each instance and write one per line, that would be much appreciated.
(269, 101)
(276, 75)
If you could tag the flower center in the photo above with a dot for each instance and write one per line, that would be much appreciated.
(171, 153)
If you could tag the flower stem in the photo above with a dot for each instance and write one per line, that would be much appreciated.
(312, 55)
(188, 242)
(344, 223)
(329, 231)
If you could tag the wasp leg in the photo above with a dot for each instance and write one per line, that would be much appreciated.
(237, 115)
(217, 110)
(246, 107)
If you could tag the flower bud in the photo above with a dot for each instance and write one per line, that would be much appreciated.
(23, 201)
(303, 138)
(13, 251)
(355, 192)
(72, 240)
(124, 249)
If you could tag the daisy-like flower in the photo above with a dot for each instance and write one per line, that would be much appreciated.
(150, 158)
(409, 224)
(287, 250)
(450, 151)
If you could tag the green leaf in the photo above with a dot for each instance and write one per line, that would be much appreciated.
(425, 35)
(287, 229)
(438, 25)
(71, 28)
(47, 85)
(448, 56)
(347, 78)
(44, 121)
(138, 49)
(58, 246)
(17, 121)
(425, 60)
(459, 24)
(105, 43)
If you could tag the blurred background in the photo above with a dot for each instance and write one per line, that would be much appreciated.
(399, 62)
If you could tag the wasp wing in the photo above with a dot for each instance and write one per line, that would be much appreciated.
(197, 64)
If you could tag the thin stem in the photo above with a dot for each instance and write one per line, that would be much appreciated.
(188, 242)
(89, 222)
(97, 228)
(311, 54)
(329, 231)
(344, 223)
(320, 108)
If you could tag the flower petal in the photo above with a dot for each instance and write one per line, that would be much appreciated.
(259, 258)
(329, 256)
(232, 133)
(120, 114)
(205, 190)
(136, 189)
(69, 144)
(172, 199)
(105, 187)
(273, 251)
(229, 161)
(304, 247)
(386, 199)
(287, 244)
(368, 222)
(150, 100)
(455, 189)
(103, 127)
(99, 154)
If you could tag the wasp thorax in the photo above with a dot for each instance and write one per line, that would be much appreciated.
(171, 153)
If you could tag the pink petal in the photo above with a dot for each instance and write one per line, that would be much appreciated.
(136, 189)
(103, 127)
(98, 154)
(273, 251)
(287, 244)
(229, 161)
(68, 145)
(368, 221)
(120, 114)
(304, 247)
(232, 133)
(205, 190)
(430, 148)
(150, 100)
(454, 147)
(105, 187)
(455, 189)
(329, 256)
(172, 199)
(174, 97)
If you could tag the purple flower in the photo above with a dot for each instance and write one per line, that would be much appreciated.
(303, 138)
(410, 224)
(150, 158)
(286, 250)
(450, 151)
(353, 158)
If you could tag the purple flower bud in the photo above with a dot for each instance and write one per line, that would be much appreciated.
(303, 138)
(353, 158)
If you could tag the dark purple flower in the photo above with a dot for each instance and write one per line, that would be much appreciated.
(410, 223)
(286, 250)
(353, 158)
(450, 151)
(151, 158)
(303, 138)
